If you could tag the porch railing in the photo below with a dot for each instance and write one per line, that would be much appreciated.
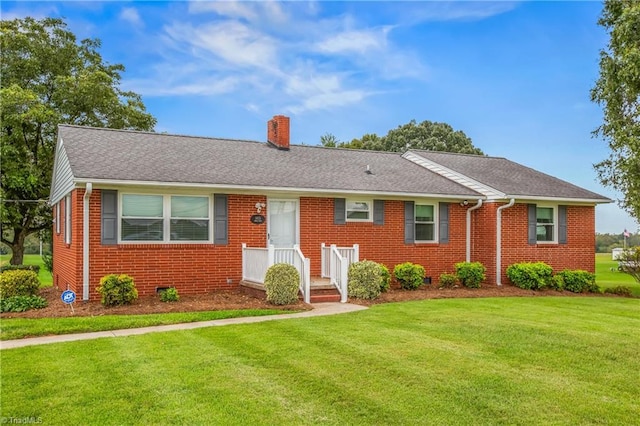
(256, 261)
(335, 265)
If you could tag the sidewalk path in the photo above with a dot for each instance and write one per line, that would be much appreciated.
(319, 309)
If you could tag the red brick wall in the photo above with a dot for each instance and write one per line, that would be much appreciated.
(384, 244)
(67, 258)
(578, 253)
(200, 268)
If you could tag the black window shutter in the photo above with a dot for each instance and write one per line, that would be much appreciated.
(109, 217)
(220, 219)
(532, 224)
(409, 223)
(562, 224)
(339, 211)
(378, 212)
(443, 230)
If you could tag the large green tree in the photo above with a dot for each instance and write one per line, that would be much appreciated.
(427, 135)
(49, 78)
(618, 92)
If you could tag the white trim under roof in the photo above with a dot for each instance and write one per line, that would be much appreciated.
(487, 191)
(238, 189)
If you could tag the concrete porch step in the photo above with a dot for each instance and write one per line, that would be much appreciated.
(321, 290)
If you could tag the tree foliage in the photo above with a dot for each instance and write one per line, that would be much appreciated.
(618, 91)
(427, 135)
(48, 78)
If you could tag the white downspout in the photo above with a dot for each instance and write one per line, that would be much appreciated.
(499, 241)
(85, 241)
(469, 210)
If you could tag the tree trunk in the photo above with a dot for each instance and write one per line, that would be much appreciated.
(17, 248)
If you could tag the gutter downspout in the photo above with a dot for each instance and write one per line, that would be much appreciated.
(499, 241)
(85, 241)
(469, 210)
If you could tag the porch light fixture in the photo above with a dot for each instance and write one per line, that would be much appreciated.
(464, 203)
(259, 207)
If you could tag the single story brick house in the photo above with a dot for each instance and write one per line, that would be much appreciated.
(202, 214)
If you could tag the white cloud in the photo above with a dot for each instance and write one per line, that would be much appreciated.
(455, 10)
(231, 9)
(357, 41)
(131, 15)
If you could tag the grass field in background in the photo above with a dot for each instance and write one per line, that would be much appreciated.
(493, 361)
(45, 277)
(607, 274)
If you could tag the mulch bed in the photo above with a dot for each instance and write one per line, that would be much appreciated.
(235, 299)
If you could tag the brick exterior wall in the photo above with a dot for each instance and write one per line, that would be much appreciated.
(201, 268)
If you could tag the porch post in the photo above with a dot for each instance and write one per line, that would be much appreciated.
(356, 253)
(244, 260)
(271, 255)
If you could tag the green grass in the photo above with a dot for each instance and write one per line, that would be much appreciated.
(45, 277)
(18, 328)
(515, 361)
(607, 274)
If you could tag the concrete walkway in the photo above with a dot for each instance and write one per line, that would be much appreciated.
(319, 309)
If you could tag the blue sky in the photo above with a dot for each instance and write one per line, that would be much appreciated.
(514, 76)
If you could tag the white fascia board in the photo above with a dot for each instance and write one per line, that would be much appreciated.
(561, 200)
(457, 177)
(237, 189)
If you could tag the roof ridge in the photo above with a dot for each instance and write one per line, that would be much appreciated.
(461, 154)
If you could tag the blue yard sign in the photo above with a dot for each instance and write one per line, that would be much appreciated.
(68, 297)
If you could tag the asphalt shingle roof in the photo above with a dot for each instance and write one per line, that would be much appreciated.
(508, 177)
(117, 155)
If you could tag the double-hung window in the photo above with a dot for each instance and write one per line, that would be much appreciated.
(67, 219)
(165, 218)
(545, 224)
(359, 211)
(425, 222)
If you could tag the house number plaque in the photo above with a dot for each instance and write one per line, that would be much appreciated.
(257, 219)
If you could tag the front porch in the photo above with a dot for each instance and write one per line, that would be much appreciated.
(330, 287)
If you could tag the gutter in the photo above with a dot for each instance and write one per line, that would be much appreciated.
(499, 241)
(469, 210)
(85, 241)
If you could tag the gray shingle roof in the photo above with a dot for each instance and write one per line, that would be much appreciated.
(116, 155)
(508, 177)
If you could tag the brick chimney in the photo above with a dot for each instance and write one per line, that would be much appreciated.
(278, 132)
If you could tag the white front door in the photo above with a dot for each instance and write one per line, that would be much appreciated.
(282, 225)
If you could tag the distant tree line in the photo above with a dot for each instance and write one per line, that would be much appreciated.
(607, 242)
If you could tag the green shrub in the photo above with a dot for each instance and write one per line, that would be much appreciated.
(386, 278)
(365, 280)
(22, 303)
(34, 268)
(556, 283)
(169, 295)
(47, 260)
(409, 275)
(578, 281)
(471, 274)
(19, 283)
(117, 290)
(281, 284)
(530, 276)
(620, 290)
(448, 280)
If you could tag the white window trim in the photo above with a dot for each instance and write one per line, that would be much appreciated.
(435, 222)
(355, 200)
(555, 223)
(166, 219)
(67, 219)
(57, 218)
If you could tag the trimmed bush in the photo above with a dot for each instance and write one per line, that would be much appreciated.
(448, 280)
(386, 278)
(34, 268)
(282, 283)
(22, 303)
(620, 290)
(556, 283)
(117, 290)
(19, 282)
(578, 281)
(409, 275)
(365, 280)
(169, 295)
(530, 276)
(47, 260)
(471, 274)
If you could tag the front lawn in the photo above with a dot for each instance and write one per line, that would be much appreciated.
(516, 361)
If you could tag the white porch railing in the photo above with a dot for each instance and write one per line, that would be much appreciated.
(335, 265)
(256, 261)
